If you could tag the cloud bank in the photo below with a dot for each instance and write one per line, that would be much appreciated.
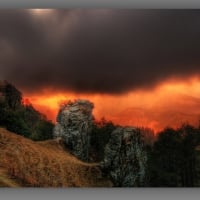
(98, 51)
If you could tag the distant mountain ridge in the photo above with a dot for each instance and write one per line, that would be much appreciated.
(178, 110)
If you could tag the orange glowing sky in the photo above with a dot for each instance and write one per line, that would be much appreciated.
(169, 104)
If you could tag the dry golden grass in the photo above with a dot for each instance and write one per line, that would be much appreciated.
(43, 164)
(6, 180)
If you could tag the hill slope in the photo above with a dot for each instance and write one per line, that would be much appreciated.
(6, 180)
(43, 164)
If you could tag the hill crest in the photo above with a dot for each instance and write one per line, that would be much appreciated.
(44, 164)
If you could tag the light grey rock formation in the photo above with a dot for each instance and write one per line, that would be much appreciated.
(74, 124)
(125, 158)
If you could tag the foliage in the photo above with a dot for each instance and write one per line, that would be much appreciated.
(99, 138)
(13, 96)
(23, 119)
(172, 160)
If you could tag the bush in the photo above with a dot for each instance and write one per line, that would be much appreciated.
(99, 138)
(23, 119)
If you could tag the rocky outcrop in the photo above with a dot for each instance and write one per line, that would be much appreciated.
(125, 158)
(74, 124)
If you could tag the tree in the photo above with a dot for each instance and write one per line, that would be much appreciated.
(100, 136)
(43, 131)
(21, 118)
(173, 159)
(190, 139)
(13, 96)
(165, 159)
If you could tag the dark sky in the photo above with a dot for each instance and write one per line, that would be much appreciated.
(103, 51)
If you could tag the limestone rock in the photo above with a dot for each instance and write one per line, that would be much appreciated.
(74, 124)
(125, 158)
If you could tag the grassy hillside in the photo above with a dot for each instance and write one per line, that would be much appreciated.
(43, 164)
(6, 180)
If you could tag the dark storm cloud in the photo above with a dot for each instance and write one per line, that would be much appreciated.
(107, 51)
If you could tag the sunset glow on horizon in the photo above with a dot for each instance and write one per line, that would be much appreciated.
(169, 104)
(138, 67)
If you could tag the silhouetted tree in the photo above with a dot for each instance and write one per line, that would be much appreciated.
(173, 159)
(22, 119)
(190, 139)
(165, 159)
(13, 96)
(99, 138)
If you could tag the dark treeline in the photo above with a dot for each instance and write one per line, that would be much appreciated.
(100, 136)
(174, 159)
(22, 118)
(173, 154)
